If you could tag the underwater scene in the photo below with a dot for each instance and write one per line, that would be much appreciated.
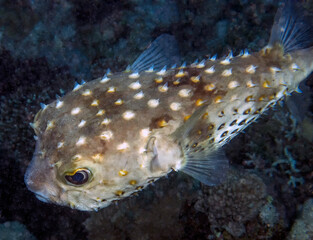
(156, 119)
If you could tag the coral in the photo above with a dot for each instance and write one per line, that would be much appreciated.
(14, 230)
(302, 229)
(230, 205)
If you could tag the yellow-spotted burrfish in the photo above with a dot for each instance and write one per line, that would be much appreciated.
(111, 137)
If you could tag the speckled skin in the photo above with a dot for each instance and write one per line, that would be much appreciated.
(194, 110)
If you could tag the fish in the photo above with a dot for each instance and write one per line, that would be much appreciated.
(111, 137)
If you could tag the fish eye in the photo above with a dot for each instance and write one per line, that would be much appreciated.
(78, 177)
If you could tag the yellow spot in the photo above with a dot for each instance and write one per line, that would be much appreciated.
(119, 102)
(97, 157)
(218, 99)
(153, 103)
(251, 69)
(163, 88)
(176, 82)
(247, 111)
(50, 125)
(139, 95)
(134, 75)
(272, 97)
(274, 70)
(249, 98)
(95, 103)
(106, 135)
(181, 73)
(210, 70)
(123, 146)
(75, 111)
(227, 72)
(199, 102)
(145, 132)
(175, 106)
(162, 123)
(119, 193)
(158, 80)
(205, 116)
(128, 115)
(187, 117)
(105, 121)
(195, 79)
(87, 92)
(82, 123)
(266, 84)
(210, 127)
(132, 182)
(59, 104)
(184, 93)
(81, 141)
(135, 85)
(201, 64)
(60, 144)
(122, 173)
(209, 87)
(100, 112)
(233, 84)
(250, 84)
(139, 187)
(111, 90)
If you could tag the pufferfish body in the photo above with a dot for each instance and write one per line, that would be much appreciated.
(112, 136)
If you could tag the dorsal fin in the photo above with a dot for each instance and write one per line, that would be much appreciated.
(163, 51)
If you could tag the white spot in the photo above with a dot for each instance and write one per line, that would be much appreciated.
(210, 70)
(119, 102)
(163, 88)
(201, 64)
(139, 95)
(106, 121)
(250, 84)
(128, 115)
(134, 75)
(105, 79)
(142, 150)
(175, 106)
(77, 86)
(184, 92)
(226, 61)
(59, 104)
(245, 54)
(82, 123)
(100, 112)
(135, 85)
(234, 98)
(162, 72)
(150, 69)
(87, 92)
(233, 84)
(145, 132)
(111, 89)
(294, 67)
(275, 69)
(95, 103)
(123, 146)
(251, 69)
(106, 135)
(227, 72)
(60, 144)
(75, 111)
(81, 141)
(153, 103)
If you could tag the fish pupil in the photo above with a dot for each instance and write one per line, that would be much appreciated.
(80, 177)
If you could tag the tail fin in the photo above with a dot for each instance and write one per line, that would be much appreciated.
(291, 28)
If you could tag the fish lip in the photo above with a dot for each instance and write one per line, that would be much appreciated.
(42, 198)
